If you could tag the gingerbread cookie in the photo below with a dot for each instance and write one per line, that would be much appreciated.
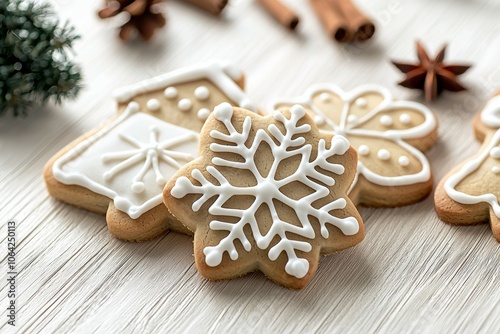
(469, 194)
(266, 193)
(119, 170)
(389, 136)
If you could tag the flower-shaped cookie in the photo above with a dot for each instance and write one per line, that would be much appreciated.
(469, 194)
(266, 193)
(389, 136)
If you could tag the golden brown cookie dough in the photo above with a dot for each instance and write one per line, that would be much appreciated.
(469, 193)
(119, 169)
(266, 193)
(389, 136)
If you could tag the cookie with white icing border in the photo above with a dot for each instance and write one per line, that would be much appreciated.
(266, 193)
(119, 170)
(468, 194)
(389, 136)
(185, 97)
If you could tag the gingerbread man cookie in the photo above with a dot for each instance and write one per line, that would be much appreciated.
(389, 136)
(266, 193)
(469, 194)
(120, 169)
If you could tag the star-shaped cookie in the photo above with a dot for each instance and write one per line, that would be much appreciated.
(266, 193)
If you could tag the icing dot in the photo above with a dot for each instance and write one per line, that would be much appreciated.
(138, 187)
(212, 257)
(319, 120)
(133, 106)
(495, 152)
(170, 93)
(386, 120)
(203, 114)
(297, 267)
(404, 160)
(201, 93)
(324, 97)
(405, 118)
(184, 104)
(298, 110)
(383, 154)
(351, 118)
(363, 150)
(361, 102)
(153, 104)
(223, 111)
(495, 169)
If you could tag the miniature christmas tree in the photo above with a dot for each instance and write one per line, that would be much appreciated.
(35, 53)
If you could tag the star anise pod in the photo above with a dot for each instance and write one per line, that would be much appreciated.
(144, 18)
(431, 75)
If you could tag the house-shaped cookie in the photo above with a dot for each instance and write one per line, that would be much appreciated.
(119, 169)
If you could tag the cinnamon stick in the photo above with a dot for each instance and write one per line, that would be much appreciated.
(214, 7)
(334, 22)
(281, 13)
(362, 28)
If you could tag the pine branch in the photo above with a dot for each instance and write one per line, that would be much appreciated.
(35, 57)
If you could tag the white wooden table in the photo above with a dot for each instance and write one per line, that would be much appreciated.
(412, 273)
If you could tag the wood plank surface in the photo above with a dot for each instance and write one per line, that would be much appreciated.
(412, 273)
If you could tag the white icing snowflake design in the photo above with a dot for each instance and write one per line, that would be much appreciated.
(267, 189)
(150, 154)
(129, 160)
(387, 124)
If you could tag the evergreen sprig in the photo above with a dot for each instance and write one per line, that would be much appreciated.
(35, 57)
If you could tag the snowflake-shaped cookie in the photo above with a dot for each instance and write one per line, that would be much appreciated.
(266, 193)
(389, 136)
(470, 193)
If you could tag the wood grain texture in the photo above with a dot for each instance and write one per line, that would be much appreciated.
(412, 273)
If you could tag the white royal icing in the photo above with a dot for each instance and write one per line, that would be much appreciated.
(351, 118)
(383, 154)
(129, 160)
(319, 120)
(153, 104)
(467, 169)
(363, 150)
(386, 120)
(405, 119)
(490, 115)
(361, 102)
(495, 152)
(222, 76)
(325, 97)
(495, 169)
(184, 104)
(170, 93)
(266, 192)
(203, 114)
(350, 126)
(404, 161)
(201, 93)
